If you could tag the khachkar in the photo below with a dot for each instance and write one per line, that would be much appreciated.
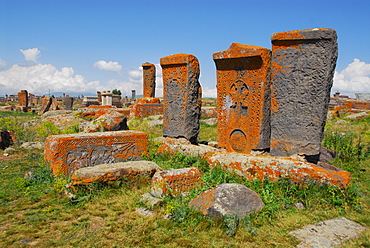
(23, 100)
(149, 79)
(303, 64)
(243, 93)
(182, 96)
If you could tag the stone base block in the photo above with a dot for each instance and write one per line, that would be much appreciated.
(175, 181)
(69, 152)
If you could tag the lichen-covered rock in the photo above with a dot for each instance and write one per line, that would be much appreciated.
(273, 168)
(7, 138)
(302, 70)
(329, 233)
(149, 79)
(182, 96)
(32, 145)
(175, 181)
(115, 171)
(69, 152)
(243, 96)
(226, 199)
(107, 122)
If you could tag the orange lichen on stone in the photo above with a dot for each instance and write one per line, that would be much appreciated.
(182, 96)
(23, 98)
(69, 152)
(149, 80)
(175, 181)
(146, 106)
(243, 93)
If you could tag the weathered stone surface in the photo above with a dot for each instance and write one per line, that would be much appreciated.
(107, 122)
(303, 64)
(273, 168)
(115, 171)
(228, 198)
(45, 104)
(182, 96)
(357, 115)
(326, 155)
(175, 181)
(146, 106)
(32, 145)
(149, 79)
(69, 152)
(210, 121)
(243, 93)
(68, 102)
(173, 146)
(23, 98)
(209, 112)
(151, 200)
(328, 233)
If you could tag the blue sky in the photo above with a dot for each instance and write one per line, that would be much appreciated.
(85, 46)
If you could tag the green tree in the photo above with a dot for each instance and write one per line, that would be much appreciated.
(116, 92)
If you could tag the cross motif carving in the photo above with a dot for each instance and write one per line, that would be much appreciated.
(239, 95)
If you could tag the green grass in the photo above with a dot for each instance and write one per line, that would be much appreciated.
(103, 215)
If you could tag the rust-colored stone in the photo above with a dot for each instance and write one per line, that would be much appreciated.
(149, 80)
(175, 181)
(46, 103)
(69, 152)
(243, 93)
(23, 98)
(182, 96)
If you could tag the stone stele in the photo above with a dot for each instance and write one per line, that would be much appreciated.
(243, 93)
(182, 96)
(149, 79)
(302, 69)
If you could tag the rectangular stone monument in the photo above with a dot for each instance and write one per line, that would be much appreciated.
(23, 98)
(68, 102)
(148, 80)
(303, 63)
(182, 96)
(69, 152)
(243, 93)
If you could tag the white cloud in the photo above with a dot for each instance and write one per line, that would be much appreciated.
(31, 54)
(207, 92)
(41, 78)
(3, 64)
(108, 66)
(353, 79)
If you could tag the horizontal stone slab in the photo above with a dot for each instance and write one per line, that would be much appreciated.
(69, 152)
(112, 172)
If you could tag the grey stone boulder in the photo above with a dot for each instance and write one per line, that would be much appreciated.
(329, 233)
(107, 122)
(32, 145)
(228, 199)
(114, 171)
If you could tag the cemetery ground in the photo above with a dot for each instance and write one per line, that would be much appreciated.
(35, 210)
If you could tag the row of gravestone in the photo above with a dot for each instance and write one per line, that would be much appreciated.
(275, 100)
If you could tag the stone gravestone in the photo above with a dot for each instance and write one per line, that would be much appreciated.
(243, 93)
(46, 103)
(68, 102)
(23, 100)
(302, 70)
(69, 152)
(149, 79)
(182, 96)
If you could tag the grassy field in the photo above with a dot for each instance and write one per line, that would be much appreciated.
(35, 211)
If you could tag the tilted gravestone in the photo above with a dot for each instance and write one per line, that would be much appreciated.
(243, 93)
(182, 96)
(302, 69)
(69, 152)
(149, 80)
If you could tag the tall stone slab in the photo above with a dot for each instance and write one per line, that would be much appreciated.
(148, 80)
(69, 152)
(68, 102)
(303, 63)
(23, 98)
(243, 95)
(182, 96)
